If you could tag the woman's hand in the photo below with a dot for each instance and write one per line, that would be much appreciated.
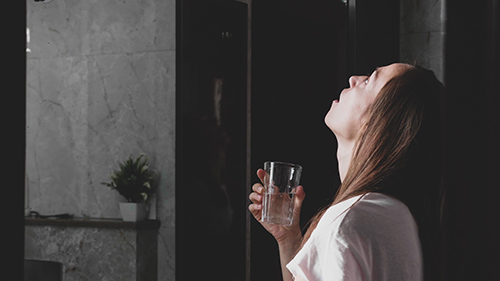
(288, 237)
(291, 235)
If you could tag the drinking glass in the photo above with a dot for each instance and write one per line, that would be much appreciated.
(280, 183)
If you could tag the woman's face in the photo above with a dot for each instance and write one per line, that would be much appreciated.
(345, 115)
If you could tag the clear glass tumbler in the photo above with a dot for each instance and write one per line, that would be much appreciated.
(280, 183)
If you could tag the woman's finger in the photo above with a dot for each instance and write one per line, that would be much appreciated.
(255, 198)
(256, 210)
(261, 174)
(300, 195)
(258, 188)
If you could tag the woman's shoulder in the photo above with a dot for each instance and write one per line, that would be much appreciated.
(376, 203)
(369, 215)
(377, 213)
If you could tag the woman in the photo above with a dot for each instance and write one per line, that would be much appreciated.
(383, 222)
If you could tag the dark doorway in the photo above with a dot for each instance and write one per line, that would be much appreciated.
(211, 140)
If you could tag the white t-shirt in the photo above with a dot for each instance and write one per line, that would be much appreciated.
(373, 239)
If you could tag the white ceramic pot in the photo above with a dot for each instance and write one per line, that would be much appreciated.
(133, 211)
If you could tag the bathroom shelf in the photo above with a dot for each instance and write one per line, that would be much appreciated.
(93, 222)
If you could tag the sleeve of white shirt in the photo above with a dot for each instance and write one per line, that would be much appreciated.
(323, 258)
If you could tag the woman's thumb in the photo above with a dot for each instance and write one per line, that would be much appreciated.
(299, 198)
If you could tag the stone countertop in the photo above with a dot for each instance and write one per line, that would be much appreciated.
(93, 222)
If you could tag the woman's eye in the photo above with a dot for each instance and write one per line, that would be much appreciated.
(366, 80)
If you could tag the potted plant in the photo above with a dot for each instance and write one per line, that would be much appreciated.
(134, 181)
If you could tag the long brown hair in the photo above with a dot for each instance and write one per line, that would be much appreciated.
(397, 153)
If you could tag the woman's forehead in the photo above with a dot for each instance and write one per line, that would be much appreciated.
(383, 74)
(391, 70)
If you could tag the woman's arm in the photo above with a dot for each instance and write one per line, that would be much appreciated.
(288, 237)
(287, 250)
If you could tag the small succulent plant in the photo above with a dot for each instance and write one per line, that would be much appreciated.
(134, 180)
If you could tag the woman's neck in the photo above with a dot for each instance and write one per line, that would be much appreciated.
(344, 156)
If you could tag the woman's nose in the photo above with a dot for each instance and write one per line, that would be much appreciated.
(355, 80)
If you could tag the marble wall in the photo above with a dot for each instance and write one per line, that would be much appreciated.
(422, 31)
(100, 87)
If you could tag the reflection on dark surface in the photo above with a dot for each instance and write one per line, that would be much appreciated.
(212, 147)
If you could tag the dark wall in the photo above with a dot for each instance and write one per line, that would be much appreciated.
(373, 34)
(472, 145)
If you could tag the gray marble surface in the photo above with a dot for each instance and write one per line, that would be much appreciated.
(94, 253)
(100, 87)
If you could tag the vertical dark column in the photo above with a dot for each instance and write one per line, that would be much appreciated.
(249, 172)
(14, 142)
(472, 131)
